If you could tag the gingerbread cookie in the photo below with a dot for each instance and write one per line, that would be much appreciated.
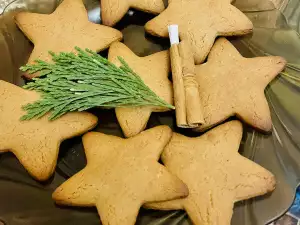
(36, 142)
(254, 5)
(230, 84)
(200, 22)
(216, 174)
(121, 175)
(112, 11)
(64, 29)
(153, 70)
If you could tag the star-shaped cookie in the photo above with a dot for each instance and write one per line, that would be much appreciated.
(112, 11)
(153, 70)
(230, 84)
(61, 31)
(216, 174)
(121, 175)
(200, 22)
(36, 142)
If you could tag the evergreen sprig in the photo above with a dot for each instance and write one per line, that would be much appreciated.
(78, 82)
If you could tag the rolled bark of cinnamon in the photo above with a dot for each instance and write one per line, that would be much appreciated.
(178, 87)
(194, 110)
(188, 105)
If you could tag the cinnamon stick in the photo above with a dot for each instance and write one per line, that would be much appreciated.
(194, 113)
(186, 90)
(178, 87)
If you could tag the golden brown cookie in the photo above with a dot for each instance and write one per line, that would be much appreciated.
(36, 142)
(64, 29)
(230, 84)
(255, 5)
(153, 70)
(121, 175)
(112, 11)
(216, 174)
(200, 22)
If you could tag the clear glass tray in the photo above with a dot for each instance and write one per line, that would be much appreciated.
(24, 201)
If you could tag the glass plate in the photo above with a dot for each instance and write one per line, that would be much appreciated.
(24, 201)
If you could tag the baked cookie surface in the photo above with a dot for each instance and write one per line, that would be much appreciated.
(153, 70)
(67, 27)
(216, 174)
(230, 84)
(200, 22)
(112, 11)
(36, 142)
(121, 175)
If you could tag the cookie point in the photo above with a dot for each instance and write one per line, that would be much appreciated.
(107, 22)
(89, 135)
(272, 182)
(20, 14)
(116, 44)
(93, 119)
(149, 27)
(85, 121)
(160, 133)
(250, 25)
(184, 189)
(41, 171)
(280, 60)
(165, 129)
(119, 35)
(42, 175)
(56, 195)
(267, 127)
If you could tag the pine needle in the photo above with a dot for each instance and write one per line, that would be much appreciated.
(78, 82)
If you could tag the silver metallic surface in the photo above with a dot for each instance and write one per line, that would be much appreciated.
(276, 32)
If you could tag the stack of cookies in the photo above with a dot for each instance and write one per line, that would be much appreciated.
(204, 175)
